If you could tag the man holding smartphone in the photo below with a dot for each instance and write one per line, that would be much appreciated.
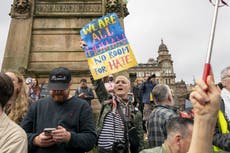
(60, 123)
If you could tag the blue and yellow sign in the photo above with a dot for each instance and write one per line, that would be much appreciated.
(107, 50)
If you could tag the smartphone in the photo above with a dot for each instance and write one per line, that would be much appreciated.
(48, 131)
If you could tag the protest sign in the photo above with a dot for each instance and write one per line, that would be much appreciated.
(107, 49)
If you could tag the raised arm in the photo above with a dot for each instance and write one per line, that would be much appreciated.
(100, 90)
(205, 99)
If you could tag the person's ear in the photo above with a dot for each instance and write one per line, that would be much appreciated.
(70, 84)
(169, 98)
(178, 138)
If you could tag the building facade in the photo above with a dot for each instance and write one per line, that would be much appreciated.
(45, 34)
(162, 67)
(181, 93)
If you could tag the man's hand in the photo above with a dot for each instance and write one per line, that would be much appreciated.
(205, 99)
(81, 95)
(43, 141)
(61, 135)
(206, 103)
(151, 76)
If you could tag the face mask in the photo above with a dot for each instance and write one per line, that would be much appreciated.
(110, 79)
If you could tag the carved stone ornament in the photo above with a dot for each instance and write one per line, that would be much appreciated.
(20, 9)
(65, 8)
(114, 6)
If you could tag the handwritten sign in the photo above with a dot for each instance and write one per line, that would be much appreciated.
(107, 50)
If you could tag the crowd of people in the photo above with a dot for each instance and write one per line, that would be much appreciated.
(64, 123)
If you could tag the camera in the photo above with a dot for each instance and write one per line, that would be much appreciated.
(119, 147)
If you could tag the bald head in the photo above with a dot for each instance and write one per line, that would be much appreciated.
(122, 86)
(121, 77)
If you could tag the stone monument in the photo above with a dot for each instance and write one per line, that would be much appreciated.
(44, 34)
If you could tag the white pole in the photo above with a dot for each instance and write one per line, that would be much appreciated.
(211, 40)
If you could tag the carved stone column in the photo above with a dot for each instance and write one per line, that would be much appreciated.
(18, 42)
(118, 7)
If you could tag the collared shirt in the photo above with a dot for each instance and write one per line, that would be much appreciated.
(13, 139)
(157, 124)
(225, 94)
(162, 149)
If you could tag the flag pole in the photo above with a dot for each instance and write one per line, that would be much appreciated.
(207, 66)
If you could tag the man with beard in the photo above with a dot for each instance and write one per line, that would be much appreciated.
(60, 123)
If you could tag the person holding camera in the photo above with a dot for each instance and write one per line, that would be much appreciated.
(120, 124)
(12, 137)
(60, 123)
(146, 89)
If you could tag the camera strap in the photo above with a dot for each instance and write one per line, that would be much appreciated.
(120, 112)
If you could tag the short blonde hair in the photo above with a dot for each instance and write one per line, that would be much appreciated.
(138, 79)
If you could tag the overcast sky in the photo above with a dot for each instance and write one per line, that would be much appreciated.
(184, 25)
